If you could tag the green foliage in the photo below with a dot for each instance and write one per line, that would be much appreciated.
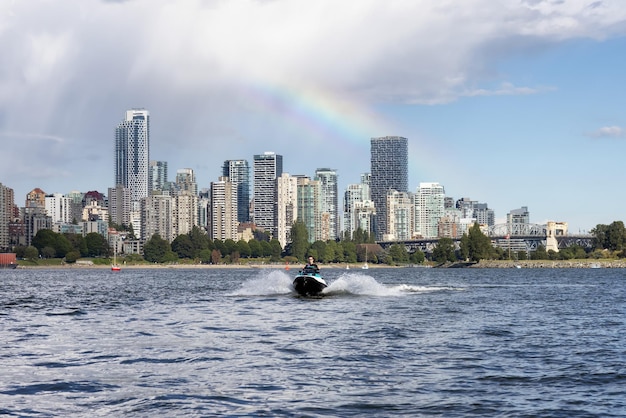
(72, 256)
(97, 245)
(398, 254)
(275, 250)
(156, 249)
(299, 240)
(48, 252)
(183, 247)
(610, 237)
(477, 246)
(255, 248)
(444, 251)
(539, 254)
(243, 248)
(78, 243)
(418, 257)
(31, 253)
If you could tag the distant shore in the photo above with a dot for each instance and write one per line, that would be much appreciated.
(356, 266)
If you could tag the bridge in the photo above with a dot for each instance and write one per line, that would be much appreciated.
(512, 237)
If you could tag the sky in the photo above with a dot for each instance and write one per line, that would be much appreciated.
(507, 102)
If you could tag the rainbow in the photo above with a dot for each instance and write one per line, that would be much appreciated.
(317, 113)
(324, 117)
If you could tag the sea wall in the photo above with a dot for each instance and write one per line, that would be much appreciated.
(550, 264)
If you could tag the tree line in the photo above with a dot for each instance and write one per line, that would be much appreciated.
(609, 241)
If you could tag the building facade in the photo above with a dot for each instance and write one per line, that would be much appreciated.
(389, 171)
(429, 209)
(223, 210)
(329, 202)
(7, 202)
(238, 171)
(132, 154)
(287, 207)
(158, 172)
(267, 168)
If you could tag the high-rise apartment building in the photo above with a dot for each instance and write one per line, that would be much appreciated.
(186, 181)
(7, 202)
(223, 210)
(267, 168)
(119, 205)
(59, 208)
(184, 213)
(429, 209)
(358, 208)
(156, 217)
(389, 171)
(132, 154)
(238, 171)
(287, 207)
(329, 203)
(399, 216)
(309, 208)
(158, 172)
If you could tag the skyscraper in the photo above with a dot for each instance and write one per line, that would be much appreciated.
(132, 154)
(329, 201)
(390, 171)
(429, 209)
(238, 171)
(267, 168)
(7, 201)
(158, 171)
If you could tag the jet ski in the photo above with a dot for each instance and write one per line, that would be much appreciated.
(308, 282)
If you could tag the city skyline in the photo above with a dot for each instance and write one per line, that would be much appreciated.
(514, 104)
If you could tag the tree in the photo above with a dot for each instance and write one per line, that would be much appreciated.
(478, 244)
(183, 247)
(48, 252)
(216, 256)
(72, 256)
(275, 250)
(156, 249)
(243, 248)
(96, 245)
(399, 254)
(31, 253)
(299, 240)
(78, 243)
(444, 251)
(417, 257)
(255, 248)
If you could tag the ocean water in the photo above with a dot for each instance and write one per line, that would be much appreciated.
(381, 342)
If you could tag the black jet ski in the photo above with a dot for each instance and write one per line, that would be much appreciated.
(308, 282)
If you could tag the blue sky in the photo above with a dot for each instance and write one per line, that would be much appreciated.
(512, 103)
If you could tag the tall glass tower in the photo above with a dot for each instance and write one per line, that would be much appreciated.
(267, 168)
(389, 171)
(132, 154)
(238, 172)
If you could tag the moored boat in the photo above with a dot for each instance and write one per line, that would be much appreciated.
(309, 282)
(8, 261)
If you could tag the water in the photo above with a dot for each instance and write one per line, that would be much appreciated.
(383, 342)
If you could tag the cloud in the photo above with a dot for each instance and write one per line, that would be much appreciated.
(70, 68)
(608, 132)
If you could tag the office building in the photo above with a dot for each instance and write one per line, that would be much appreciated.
(267, 168)
(238, 171)
(132, 154)
(389, 171)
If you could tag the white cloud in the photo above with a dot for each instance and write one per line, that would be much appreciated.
(70, 68)
(608, 132)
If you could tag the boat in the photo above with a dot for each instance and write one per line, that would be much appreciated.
(309, 282)
(8, 261)
(115, 266)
